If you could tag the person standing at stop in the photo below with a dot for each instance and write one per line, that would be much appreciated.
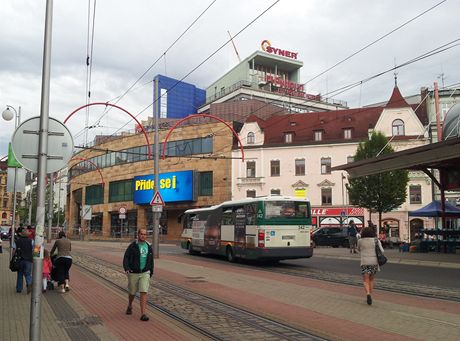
(138, 265)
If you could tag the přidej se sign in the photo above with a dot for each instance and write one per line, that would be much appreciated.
(173, 186)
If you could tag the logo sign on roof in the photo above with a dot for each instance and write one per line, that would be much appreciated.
(267, 47)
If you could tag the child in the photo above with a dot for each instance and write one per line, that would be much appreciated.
(47, 266)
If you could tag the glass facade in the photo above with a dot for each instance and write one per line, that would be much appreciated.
(121, 191)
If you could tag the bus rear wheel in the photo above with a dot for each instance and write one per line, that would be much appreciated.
(229, 253)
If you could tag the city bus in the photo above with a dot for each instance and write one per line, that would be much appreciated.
(264, 228)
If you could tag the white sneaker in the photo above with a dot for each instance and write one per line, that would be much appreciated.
(61, 290)
(67, 288)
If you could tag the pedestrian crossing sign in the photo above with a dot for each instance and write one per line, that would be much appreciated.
(157, 200)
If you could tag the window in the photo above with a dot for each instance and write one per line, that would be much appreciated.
(350, 159)
(121, 191)
(347, 133)
(288, 138)
(300, 167)
(398, 127)
(251, 169)
(415, 194)
(250, 193)
(326, 196)
(325, 165)
(318, 135)
(274, 168)
(94, 194)
(205, 184)
(275, 191)
(251, 138)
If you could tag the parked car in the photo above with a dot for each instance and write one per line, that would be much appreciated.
(4, 232)
(331, 236)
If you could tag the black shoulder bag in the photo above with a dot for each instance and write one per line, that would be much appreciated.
(381, 258)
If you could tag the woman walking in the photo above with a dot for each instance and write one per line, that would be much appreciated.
(369, 265)
(63, 261)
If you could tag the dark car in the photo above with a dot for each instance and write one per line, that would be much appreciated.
(331, 236)
(4, 232)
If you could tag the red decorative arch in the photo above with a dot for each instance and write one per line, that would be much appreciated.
(202, 115)
(91, 162)
(118, 107)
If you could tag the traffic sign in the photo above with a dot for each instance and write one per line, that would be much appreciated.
(122, 210)
(86, 212)
(26, 139)
(157, 208)
(157, 200)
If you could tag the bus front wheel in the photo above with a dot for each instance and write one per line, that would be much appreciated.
(229, 253)
(190, 249)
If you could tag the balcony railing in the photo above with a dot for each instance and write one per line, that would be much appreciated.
(252, 181)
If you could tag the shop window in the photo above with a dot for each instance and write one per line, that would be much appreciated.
(325, 165)
(206, 184)
(300, 167)
(415, 194)
(94, 194)
(121, 191)
(326, 196)
(274, 168)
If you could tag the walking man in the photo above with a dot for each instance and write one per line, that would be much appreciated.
(352, 239)
(23, 247)
(138, 265)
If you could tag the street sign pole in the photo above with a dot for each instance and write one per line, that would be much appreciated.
(156, 215)
(35, 307)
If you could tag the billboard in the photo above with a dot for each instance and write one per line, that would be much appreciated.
(173, 187)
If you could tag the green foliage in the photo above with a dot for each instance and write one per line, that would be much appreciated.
(380, 192)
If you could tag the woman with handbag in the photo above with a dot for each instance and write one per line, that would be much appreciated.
(367, 245)
(63, 261)
(23, 247)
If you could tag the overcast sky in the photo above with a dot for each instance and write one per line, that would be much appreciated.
(130, 35)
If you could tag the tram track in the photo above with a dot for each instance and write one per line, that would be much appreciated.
(211, 318)
(393, 286)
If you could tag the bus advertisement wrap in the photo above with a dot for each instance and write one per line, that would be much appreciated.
(173, 186)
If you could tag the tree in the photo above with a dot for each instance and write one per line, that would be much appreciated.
(381, 192)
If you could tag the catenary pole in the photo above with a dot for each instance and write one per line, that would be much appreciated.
(156, 215)
(50, 208)
(17, 121)
(35, 306)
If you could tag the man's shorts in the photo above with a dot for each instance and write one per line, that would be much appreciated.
(138, 282)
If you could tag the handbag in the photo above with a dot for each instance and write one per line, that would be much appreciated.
(15, 262)
(381, 258)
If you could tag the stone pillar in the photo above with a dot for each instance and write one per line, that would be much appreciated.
(141, 217)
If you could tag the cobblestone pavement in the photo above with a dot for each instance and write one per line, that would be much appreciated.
(332, 310)
(219, 320)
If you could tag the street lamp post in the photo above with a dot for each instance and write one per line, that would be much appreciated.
(8, 116)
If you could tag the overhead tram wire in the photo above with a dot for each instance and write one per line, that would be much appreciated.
(345, 88)
(89, 62)
(158, 59)
(200, 64)
(358, 51)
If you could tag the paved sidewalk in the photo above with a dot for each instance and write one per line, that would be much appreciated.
(90, 311)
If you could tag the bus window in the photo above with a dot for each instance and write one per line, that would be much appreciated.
(286, 209)
(228, 217)
(251, 214)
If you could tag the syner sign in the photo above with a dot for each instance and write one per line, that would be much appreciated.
(267, 47)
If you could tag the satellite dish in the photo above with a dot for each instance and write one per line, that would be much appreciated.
(451, 125)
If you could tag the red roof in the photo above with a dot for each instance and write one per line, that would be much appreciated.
(396, 100)
(332, 123)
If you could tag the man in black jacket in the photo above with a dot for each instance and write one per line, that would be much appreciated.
(23, 246)
(138, 265)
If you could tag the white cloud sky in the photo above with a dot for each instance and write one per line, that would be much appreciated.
(131, 35)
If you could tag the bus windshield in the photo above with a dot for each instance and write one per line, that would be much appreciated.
(286, 209)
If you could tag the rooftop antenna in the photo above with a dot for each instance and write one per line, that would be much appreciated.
(396, 76)
(234, 46)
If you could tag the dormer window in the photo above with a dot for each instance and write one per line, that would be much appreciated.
(398, 127)
(288, 137)
(318, 135)
(347, 133)
(251, 138)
